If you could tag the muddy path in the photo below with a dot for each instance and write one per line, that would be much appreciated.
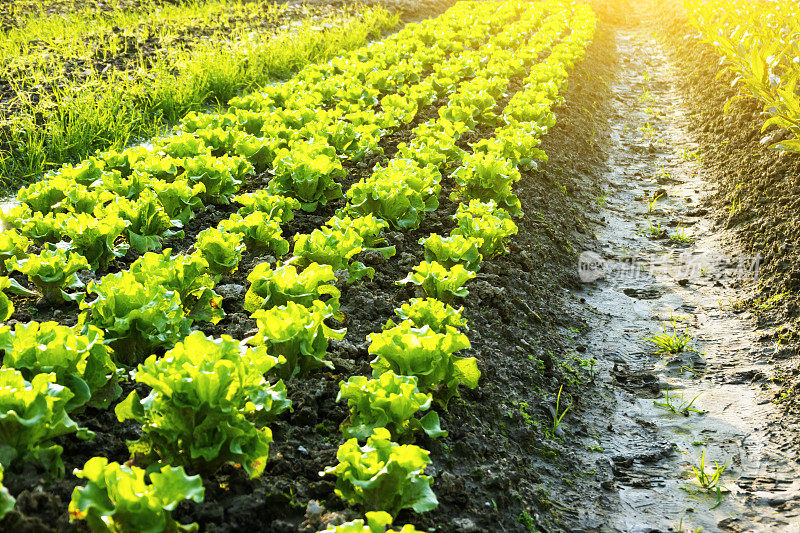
(662, 266)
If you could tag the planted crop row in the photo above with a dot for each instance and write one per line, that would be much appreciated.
(416, 360)
(758, 43)
(93, 213)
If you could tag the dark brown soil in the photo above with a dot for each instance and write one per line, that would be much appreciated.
(757, 196)
(500, 468)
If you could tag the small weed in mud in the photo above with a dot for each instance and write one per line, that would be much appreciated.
(558, 414)
(671, 342)
(681, 236)
(648, 131)
(651, 205)
(655, 231)
(527, 522)
(690, 155)
(679, 528)
(677, 404)
(710, 481)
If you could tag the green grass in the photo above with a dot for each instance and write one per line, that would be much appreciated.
(671, 342)
(108, 111)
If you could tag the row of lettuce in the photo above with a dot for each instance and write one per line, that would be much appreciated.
(758, 43)
(211, 399)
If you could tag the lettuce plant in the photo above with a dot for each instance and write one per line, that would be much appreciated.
(76, 356)
(432, 313)
(334, 247)
(186, 275)
(96, 239)
(487, 222)
(394, 202)
(119, 499)
(260, 151)
(275, 287)
(32, 414)
(280, 208)
(421, 352)
(388, 401)
(7, 501)
(308, 172)
(297, 334)
(221, 176)
(377, 522)
(222, 250)
(397, 110)
(382, 475)
(148, 221)
(180, 199)
(37, 227)
(137, 317)
(52, 271)
(182, 145)
(259, 231)
(208, 406)
(486, 176)
(12, 245)
(436, 281)
(453, 250)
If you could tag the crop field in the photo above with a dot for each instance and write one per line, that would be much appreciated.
(448, 266)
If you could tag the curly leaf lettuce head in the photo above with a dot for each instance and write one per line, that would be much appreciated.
(421, 352)
(32, 414)
(383, 475)
(389, 401)
(138, 318)
(77, 357)
(208, 405)
(121, 499)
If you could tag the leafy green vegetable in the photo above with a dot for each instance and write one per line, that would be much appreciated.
(188, 276)
(52, 271)
(439, 282)
(180, 199)
(96, 239)
(485, 221)
(222, 250)
(307, 171)
(137, 317)
(208, 398)
(298, 334)
(453, 250)
(275, 287)
(76, 356)
(421, 352)
(278, 207)
(334, 247)
(389, 401)
(259, 231)
(486, 176)
(221, 176)
(432, 313)
(32, 414)
(383, 475)
(401, 193)
(148, 221)
(118, 499)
